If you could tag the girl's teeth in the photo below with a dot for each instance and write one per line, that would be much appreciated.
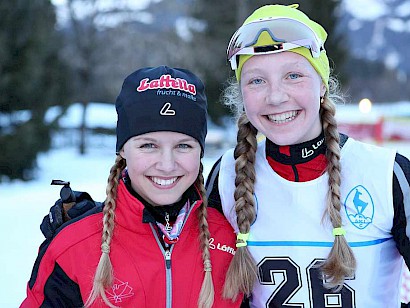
(163, 182)
(283, 117)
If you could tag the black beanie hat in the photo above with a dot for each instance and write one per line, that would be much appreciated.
(161, 99)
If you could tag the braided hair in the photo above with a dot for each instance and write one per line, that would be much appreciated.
(340, 262)
(104, 274)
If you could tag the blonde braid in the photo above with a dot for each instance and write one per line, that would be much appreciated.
(340, 262)
(104, 275)
(242, 273)
(206, 296)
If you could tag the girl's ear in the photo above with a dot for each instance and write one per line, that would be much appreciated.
(322, 90)
(122, 153)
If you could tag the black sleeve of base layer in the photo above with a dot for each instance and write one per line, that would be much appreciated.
(211, 186)
(401, 203)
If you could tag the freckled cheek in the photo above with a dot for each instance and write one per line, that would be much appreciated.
(253, 99)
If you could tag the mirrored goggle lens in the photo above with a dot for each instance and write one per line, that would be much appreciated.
(288, 33)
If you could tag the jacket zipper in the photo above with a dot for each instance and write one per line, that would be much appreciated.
(167, 255)
(168, 273)
(167, 258)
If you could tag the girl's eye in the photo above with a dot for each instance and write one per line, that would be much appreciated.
(294, 76)
(147, 146)
(256, 81)
(184, 146)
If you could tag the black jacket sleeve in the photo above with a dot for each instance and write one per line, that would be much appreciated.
(401, 204)
(61, 291)
(211, 186)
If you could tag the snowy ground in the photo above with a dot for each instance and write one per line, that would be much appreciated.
(23, 206)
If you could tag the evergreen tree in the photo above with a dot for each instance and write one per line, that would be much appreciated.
(32, 79)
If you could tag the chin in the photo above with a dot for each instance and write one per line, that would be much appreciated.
(281, 140)
(164, 201)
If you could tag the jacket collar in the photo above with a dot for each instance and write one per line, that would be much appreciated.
(129, 210)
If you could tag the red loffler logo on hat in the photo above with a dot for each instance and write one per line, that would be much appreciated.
(166, 81)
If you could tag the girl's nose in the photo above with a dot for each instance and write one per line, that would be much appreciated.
(166, 161)
(276, 94)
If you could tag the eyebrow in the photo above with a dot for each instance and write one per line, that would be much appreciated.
(138, 138)
(149, 139)
(287, 64)
(187, 139)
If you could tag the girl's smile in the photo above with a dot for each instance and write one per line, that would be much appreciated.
(162, 165)
(281, 95)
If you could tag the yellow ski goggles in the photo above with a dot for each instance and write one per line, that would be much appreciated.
(286, 34)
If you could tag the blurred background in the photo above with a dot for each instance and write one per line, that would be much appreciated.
(62, 63)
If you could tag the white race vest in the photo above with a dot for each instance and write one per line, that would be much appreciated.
(289, 239)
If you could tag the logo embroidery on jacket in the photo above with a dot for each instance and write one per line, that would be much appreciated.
(359, 207)
(218, 246)
(119, 291)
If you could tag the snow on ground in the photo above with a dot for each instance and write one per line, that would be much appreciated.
(24, 204)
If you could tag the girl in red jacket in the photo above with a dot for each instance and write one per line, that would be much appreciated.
(153, 243)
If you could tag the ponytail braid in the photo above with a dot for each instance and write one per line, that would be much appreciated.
(340, 262)
(242, 273)
(207, 293)
(104, 276)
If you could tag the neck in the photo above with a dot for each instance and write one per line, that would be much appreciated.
(300, 162)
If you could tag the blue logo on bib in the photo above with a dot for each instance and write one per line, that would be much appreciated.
(359, 207)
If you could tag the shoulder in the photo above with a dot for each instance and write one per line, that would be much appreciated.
(80, 223)
(222, 236)
(79, 228)
(217, 221)
(401, 181)
(228, 158)
(75, 233)
(367, 156)
(71, 233)
(401, 202)
(216, 217)
(404, 164)
(351, 143)
(211, 187)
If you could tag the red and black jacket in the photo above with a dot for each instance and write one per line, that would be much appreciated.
(146, 274)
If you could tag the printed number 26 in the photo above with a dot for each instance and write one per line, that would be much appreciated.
(285, 275)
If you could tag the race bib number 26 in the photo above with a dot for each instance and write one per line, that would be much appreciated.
(284, 274)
